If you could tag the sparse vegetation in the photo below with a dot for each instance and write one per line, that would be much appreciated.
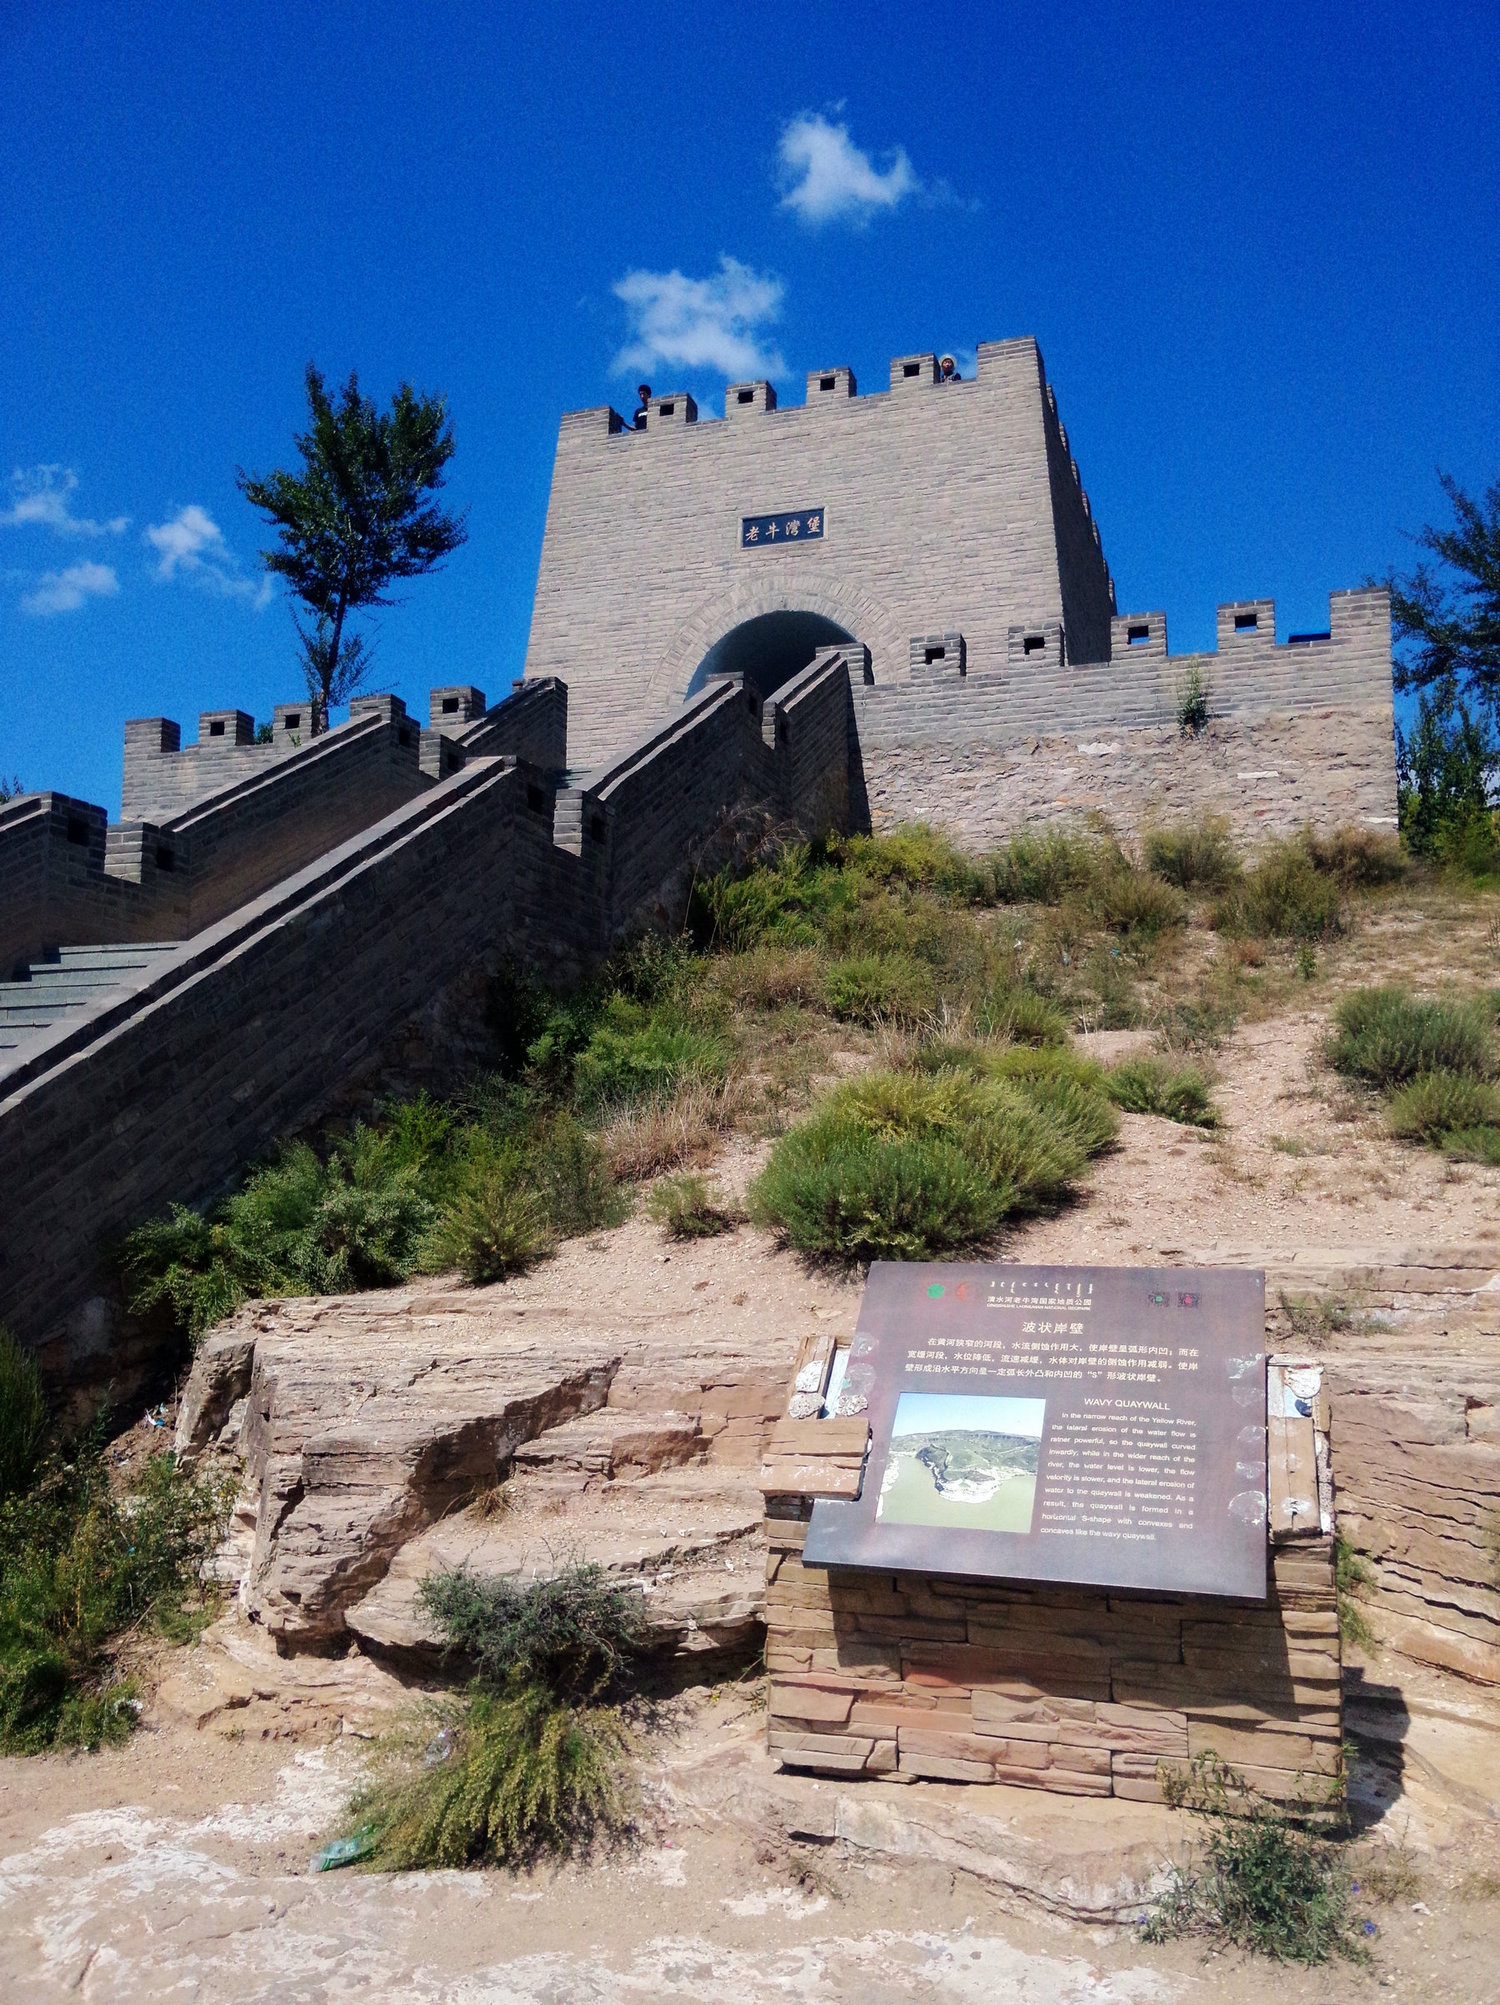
(1147, 1085)
(686, 1208)
(532, 1761)
(1262, 1881)
(1351, 1577)
(896, 949)
(81, 1568)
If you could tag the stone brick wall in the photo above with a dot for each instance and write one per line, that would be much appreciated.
(66, 882)
(257, 1024)
(1074, 1690)
(943, 507)
(1295, 733)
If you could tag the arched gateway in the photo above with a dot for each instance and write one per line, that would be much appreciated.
(768, 650)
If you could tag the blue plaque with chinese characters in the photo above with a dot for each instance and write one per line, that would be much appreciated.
(1104, 1426)
(792, 525)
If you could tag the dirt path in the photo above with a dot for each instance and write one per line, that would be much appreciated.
(178, 1868)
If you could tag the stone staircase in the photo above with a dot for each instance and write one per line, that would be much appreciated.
(68, 982)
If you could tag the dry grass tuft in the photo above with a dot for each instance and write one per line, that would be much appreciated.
(667, 1131)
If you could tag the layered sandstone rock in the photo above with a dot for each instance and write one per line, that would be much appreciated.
(364, 1420)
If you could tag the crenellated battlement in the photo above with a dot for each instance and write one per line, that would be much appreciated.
(931, 505)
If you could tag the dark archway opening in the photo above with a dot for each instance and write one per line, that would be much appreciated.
(768, 650)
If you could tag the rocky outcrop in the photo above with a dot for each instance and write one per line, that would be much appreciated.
(1412, 1373)
(356, 1435)
(1416, 1459)
(691, 1543)
(364, 1420)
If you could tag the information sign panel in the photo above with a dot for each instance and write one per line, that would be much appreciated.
(1099, 1425)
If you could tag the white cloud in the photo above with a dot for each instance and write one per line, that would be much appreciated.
(828, 179)
(41, 501)
(701, 323)
(66, 591)
(191, 545)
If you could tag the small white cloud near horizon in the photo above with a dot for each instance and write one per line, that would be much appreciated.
(65, 591)
(41, 501)
(826, 178)
(191, 545)
(701, 323)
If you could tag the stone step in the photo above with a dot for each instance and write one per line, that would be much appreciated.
(70, 982)
(123, 954)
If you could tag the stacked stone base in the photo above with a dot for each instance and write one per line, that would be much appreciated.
(1077, 1690)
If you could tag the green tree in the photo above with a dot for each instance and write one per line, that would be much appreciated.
(1443, 769)
(356, 517)
(1447, 622)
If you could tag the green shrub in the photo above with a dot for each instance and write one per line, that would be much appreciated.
(23, 1418)
(775, 901)
(1358, 857)
(79, 1565)
(1050, 1061)
(1284, 896)
(1077, 1108)
(685, 1208)
(1474, 1145)
(571, 1178)
(1039, 867)
(913, 855)
(512, 1777)
(838, 1192)
(531, 1764)
(770, 977)
(1023, 1016)
(1195, 856)
(879, 988)
(299, 1226)
(1146, 1085)
(645, 1060)
(1134, 902)
(1385, 1036)
(1262, 1882)
(574, 1632)
(1473, 847)
(1435, 1105)
(1193, 694)
(494, 1224)
(904, 1165)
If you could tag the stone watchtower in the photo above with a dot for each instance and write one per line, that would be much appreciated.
(925, 520)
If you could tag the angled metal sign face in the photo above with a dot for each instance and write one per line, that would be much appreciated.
(1098, 1425)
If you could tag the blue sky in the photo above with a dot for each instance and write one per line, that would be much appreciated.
(1257, 245)
(927, 1412)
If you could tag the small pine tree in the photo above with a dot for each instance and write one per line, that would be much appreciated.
(356, 518)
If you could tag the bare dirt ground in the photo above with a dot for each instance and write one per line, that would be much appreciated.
(178, 1866)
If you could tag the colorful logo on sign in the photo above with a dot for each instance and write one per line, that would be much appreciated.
(800, 525)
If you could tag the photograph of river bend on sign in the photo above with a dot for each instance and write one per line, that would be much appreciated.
(1097, 1425)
